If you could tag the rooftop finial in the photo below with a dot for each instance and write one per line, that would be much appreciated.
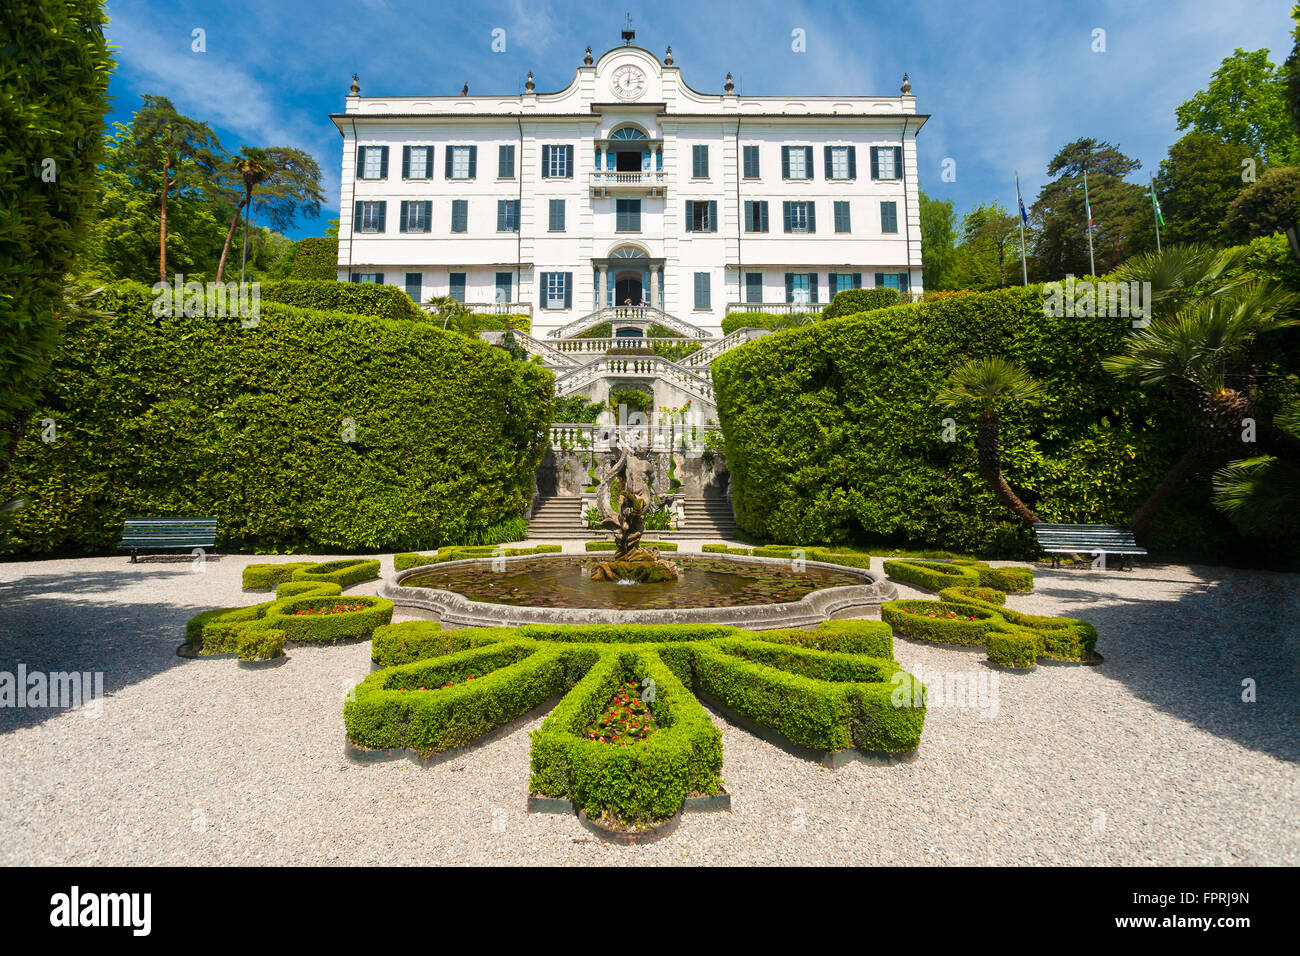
(529, 85)
(668, 57)
(587, 60)
(729, 86)
(464, 90)
(906, 88)
(628, 33)
(355, 88)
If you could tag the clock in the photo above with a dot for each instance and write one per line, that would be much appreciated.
(628, 82)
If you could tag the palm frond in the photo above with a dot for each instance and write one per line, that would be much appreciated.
(990, 382)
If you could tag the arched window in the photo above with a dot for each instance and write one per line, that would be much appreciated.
(629, 133)
(628, 252)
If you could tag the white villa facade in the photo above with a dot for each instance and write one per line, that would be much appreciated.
(630, 186)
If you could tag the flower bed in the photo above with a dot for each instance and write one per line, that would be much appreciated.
(928, 621)
(627, 718)
(313, 617)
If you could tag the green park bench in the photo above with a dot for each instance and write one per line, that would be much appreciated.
(1059, 539)
(168, 534)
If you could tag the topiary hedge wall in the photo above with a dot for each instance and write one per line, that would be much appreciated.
(201, 416)
(356, 298)
(316, 257)
(833, 432)
(853, 301)
(765, 320)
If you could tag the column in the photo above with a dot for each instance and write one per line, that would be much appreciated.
(653, 298)
(603, 300)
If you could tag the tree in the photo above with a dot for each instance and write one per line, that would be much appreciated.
(52, 104)
(937, 220)
(991, 384)
(1195, 185)
(1207, 318)
(989, 235)
(1246, 105)
(289, 180)
(1120, 212)
(185, 153)
(332, 229)
(1261, 495)
(1265, 207)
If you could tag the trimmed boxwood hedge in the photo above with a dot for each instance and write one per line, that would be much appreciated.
(298, 588)
(218, 631)
(909, 618)
(199, 415)
(316, 257)
(1011, 578)
(932, 575)
(837, 680)
(611, 546)
(344, 573)
(766, 320)
(855, 301)
(834, 432)
(356, 298)
(260, 644)
(266, 577)
(410, 559)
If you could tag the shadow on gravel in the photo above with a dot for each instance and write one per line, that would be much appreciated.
(1190, 655)
(127, 640)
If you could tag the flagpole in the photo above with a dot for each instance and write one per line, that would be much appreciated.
(1155, 209)
(1092, 262)
(1024, 268)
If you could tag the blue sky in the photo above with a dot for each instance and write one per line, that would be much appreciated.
(1008, 83)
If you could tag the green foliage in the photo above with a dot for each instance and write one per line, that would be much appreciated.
(834, 433)
(854, 301)
(354, 298)
(990, 246)
(316, 258)
(53, 96)
(406, 560)
(260, 645)
(266, 577)
(292, 588)
(200, 415)
(932, 575)
(1269, 205)
(635, 399)
(1245, 104)
(938, 233)
(574, 409)
(343, 573)
(610, 546)
(1196, 184)
(766, 320)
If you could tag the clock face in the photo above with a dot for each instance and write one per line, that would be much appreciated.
(628, 82)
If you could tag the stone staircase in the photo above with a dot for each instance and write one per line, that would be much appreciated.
(708, 518)
(557, 518)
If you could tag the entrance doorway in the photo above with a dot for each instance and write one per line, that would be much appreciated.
(627, 162)
(625, 288)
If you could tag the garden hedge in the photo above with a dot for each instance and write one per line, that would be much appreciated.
(220, 630)
(855, 301)
(344, 573)
(183, 416)
(834, 434)
(766, 320)
(316, 257)
(932, 575)
(611, 546)
(355, 298)
(260, 645)
(837, 682)
(408, 559)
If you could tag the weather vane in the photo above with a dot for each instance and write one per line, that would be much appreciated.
(628, 33)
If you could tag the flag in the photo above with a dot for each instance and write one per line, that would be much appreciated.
(1020, 202)
(1155, 202)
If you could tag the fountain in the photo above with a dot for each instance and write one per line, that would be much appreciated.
(631, 561)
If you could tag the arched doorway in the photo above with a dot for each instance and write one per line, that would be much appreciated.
(627, 287)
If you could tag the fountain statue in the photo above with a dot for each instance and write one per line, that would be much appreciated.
(631, 561)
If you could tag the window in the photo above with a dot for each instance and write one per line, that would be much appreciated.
(557, 290)
(800, 216)
(556, 215)
(505, 287)
(841, 162)
(702, 296)
(461, 162)
(796, 162)
(701, 215)
(628, 215)
(456, 286)
(753, 287)
(375, 277)
(417, 162)
(505, 162)
(892, 280)
(886, 162)
(755, 215)
(840, 281)
(416, 216)
(557, 162)
(460, 215)
(372, 162)
(889, 216)
(507, 215)
(699, 162)
(414, 282)
(369, 216)
(842, 216)
(750, 154)
(801, 287)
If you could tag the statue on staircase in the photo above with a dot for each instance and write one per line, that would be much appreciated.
(631, 561)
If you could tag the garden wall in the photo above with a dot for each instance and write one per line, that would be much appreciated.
(311, 430)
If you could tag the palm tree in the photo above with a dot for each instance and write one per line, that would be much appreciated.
(1199, 345)
(1262, 494)
(289, 180)
(993, 383)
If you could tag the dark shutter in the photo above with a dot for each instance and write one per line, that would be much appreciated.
(875, 162)
(857, 280)
(361, 162)
(789, 287)
(812, 217)
(690, 215)
(785, 162)
(826, 154)
(541, 285)
(853, 162)
(568, 290)
(406, 162)
(785, 213)
(763, 207)
(880, 279)
(808, 161)
(383, 213)
(832, 286)
(401, 224)
(546, 164)
(898, 162)
(383, 162)
(356, 217)
(713, 215)
(473, 161)
(447, 152)
(812, 287)
(568, 162)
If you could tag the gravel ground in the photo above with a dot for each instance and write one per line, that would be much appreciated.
(1150, 758)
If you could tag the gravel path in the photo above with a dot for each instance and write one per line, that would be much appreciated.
(1150, 758)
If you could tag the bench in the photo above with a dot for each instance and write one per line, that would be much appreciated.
(168, 534)
(1058, 539)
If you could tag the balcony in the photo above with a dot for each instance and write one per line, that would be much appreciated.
(647, 182)
(498, 308)
(777, 308)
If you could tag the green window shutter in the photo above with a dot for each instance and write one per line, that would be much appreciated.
(361, 164)
(853, 162)
(568, 162)
(356, 217)
(808, 161)
(401, 222)
(447, 152)
(690, 215)
(542, 283)
(473, 162)
(428, 215)
(875, 162)
(406, 162)
(812, 216)
(880, 279)
(785, 164)
(789, 287)
(786, 207)
(830, 169)
(857, 280)
(546, 162)
(501, 215)
(383, 212)
(383, 162)
(898, 162)
(812, 287)
(568, 290)
(713, 215)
